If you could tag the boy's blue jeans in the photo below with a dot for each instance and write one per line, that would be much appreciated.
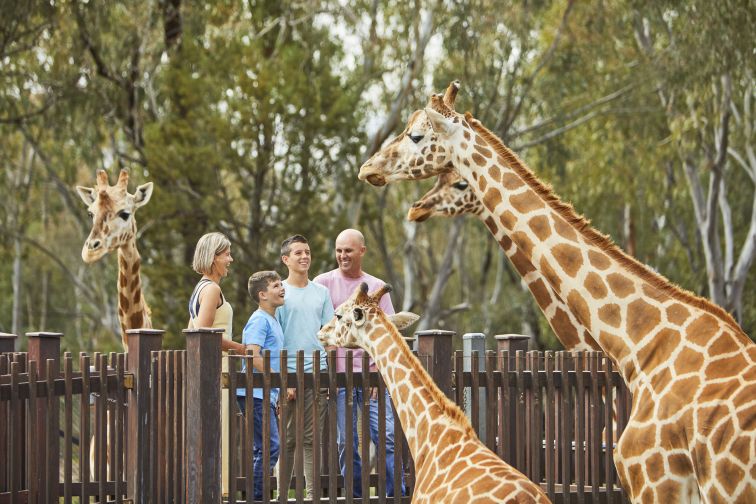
(257, 451)
(341, 437)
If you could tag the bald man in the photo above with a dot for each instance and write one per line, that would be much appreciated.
(341, 283)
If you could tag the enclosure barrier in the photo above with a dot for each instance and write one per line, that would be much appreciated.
(145, 427)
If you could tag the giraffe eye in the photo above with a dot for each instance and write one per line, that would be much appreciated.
(461, 185)
(91, 215)
(123, 214)
(338, 316)
(358, 314)
(415, 138)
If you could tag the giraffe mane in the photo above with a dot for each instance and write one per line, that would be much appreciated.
(448, 407)
(583, 226)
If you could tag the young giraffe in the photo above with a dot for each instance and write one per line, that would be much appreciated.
(691, 368)
(451, 464)
(113, 227)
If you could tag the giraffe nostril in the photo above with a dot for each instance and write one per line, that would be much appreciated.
(94, 244)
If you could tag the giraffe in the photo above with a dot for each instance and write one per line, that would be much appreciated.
(114, 228)
(452, 196)
(451, 464)
(691, 435)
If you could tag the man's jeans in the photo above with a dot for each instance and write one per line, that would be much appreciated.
(357, 465)
(257, 452)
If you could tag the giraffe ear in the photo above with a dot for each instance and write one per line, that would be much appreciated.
(403, 320)
(87, 194)
(143, 194)
(439, 123)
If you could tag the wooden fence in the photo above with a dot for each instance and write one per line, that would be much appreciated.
(145, 421)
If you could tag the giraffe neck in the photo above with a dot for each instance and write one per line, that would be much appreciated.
(133, 311)
(635, 315)
(424, 411)
(568, 330)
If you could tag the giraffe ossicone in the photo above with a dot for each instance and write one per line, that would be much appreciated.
(451, 464)
(112, 211)
(691, 368)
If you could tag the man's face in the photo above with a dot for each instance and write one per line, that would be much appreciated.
(349, 252)
(274, 293)
(298, 260)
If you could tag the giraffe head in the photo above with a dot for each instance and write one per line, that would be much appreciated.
(354, 321)
(449, 197)
(112, 211)
(424, 148)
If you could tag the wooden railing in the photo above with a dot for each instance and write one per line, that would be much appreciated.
(152, 419)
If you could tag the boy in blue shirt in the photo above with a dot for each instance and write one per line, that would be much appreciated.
(263, 332)
(308, 307)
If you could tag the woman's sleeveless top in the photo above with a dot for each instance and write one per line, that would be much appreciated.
(224, 314)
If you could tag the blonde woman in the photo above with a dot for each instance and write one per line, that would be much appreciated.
(207, 305)
(209, 308)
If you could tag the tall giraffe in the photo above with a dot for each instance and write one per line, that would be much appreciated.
(451, 464)
(452, 196)
(691, 368)
(114, 228)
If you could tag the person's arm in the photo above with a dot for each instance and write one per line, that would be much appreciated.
(257, 359)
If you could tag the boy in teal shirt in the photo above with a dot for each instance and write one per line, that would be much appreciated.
(308, 307)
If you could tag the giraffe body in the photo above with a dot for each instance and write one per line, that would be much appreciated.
(451, 464)
(114, 228)
(692, 371)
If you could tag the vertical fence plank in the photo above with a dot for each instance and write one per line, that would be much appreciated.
(349, 428)
(267, 421)
(233, 440)
(154, 487)
(474, 405)
(333, 461)
(102, 422)
(381, 449)
(365, 428)
(317, 425)
(84, 416)
(68, 429)
(550, 420)
(118, 460)
(15, 441)
(520, 410)
(565, 437)
(490, 411)
(52, 464)
(579, 426)
(608, 422)
(283, 434)
(595, 422)
(250, 427)
(168, 426)
(505, 425)
(34, 461)
(299, 421)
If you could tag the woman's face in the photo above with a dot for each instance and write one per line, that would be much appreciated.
(222, 261)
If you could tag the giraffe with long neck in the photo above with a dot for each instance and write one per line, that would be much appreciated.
(451, 196)
(690, 367)
(114, 228)
(451, 464)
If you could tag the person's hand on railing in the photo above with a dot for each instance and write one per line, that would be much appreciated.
(373, 393)
(291, 393)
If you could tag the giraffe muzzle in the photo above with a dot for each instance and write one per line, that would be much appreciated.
(418, 214)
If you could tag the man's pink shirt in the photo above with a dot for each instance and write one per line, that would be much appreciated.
(341, 288)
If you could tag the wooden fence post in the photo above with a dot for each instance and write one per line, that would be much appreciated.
(7, 342)
(142, 342)
(512, 343)
(475, 342)
(203, 415)
(438, 346)
(44, 346)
